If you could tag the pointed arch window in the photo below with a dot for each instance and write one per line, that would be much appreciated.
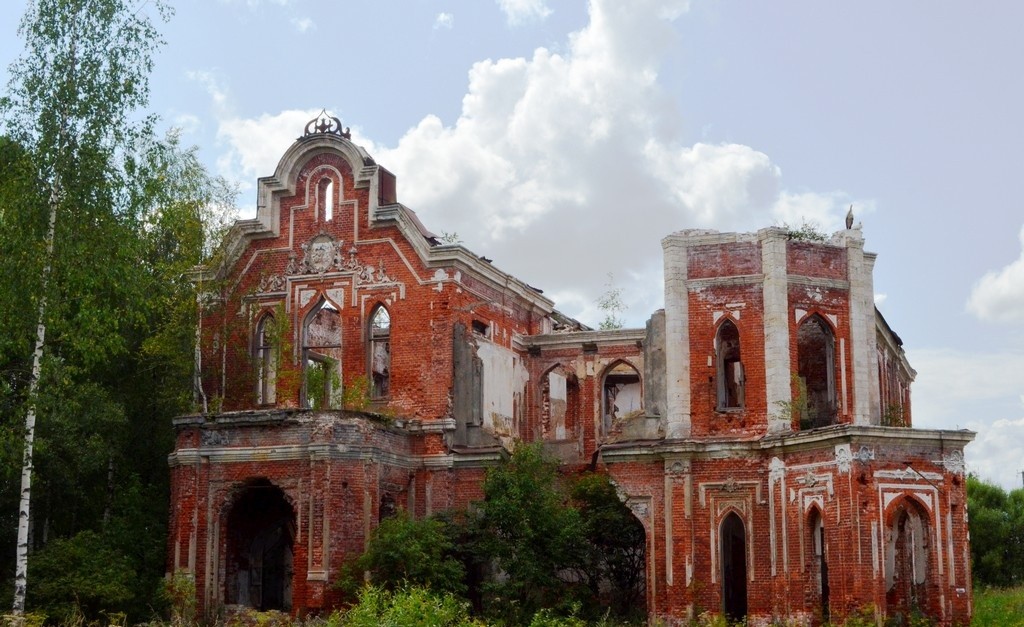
(266, 360)
(816, 369)
(380, 352)
(731, 378)
(622, 395)
(321, 357)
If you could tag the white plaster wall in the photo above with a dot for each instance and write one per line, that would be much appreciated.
(504, 382)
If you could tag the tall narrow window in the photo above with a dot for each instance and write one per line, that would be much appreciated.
(380, 352)
(622, 395)
(730, 369)
(325, 199)
(816, 369)
(329, 202)
(266, 360)
(321, 357)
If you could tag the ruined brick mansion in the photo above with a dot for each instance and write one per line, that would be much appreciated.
(353, 364)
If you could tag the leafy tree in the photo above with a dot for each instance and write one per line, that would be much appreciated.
(404, 552)
(100, 223)
(81, 573)
(996, 522)
(610, 302)
(533, 536)
(616, 557)
(69, 103)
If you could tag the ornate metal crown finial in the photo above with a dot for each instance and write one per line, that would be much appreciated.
(324, 124)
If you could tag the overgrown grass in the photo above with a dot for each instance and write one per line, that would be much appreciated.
(998, 607)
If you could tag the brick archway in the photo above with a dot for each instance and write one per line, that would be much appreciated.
(259, 548)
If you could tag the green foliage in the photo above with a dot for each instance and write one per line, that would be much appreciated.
(997, 533)
(133, 214)
(404, 552)
(80, 573)
(808, 231)
(610, 302)
(894, 416)
(407, 607)
(995, 607)
(179, 592)
(534, 538)
(616, 548)
(796, 409)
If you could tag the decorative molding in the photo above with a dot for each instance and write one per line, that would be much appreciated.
(324, 124)
(843, 458)
(272, 283)
(954, 462)
(865, 454)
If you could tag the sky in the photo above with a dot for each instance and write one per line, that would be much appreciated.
(564, 139)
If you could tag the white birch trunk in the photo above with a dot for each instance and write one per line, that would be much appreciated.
(21, 566)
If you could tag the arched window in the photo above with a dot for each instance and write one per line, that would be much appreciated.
(321, 357)
(266, 360)
(560, 400)
(622, 397)
(325, 200)
(380, 352)
(816, 369)
(731, 379)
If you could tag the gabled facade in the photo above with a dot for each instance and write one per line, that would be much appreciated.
(352, 364)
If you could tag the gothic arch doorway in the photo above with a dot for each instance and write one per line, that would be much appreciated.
(260, 548)
(734, 567)
(818, 563)
(907, 558)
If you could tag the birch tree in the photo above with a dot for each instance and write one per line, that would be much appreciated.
(72, 103)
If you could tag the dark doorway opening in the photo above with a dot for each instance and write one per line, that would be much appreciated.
(734, 568)
(819, 562)
(260, 551)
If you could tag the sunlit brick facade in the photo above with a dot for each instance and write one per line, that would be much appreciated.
(352, 364)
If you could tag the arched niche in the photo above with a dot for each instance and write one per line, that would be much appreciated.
(621, 395)
(321, 356)
(816, 370)
(259, 548)
(560, 403)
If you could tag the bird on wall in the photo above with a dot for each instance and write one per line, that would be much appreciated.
(849, 218)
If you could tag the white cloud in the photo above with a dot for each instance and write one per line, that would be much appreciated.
(999, 295)
(997, 453)
(444, 20)
(187, 122)
(977, 391)
(303, 24)
(949, 380)
(521, 11)
(880, 298)
(564, 167)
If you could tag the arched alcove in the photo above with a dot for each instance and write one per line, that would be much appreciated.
(817, 563)
(321, 356)
(907, 557)
(816, 369)
(621, 394)
(260, 536)
(733, 548)
(560, 403)
(729, 370)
